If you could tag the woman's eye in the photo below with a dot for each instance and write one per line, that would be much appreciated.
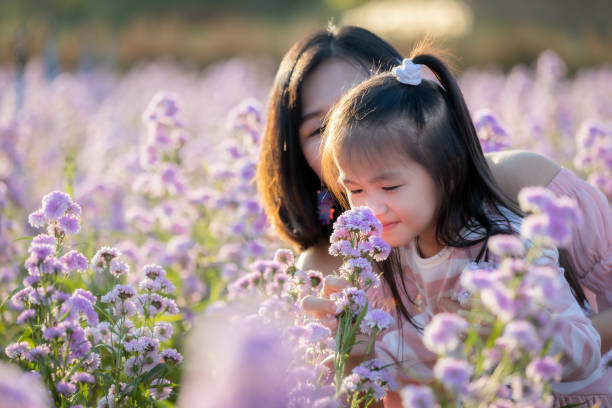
(317, 131)
(390, 188)
(355, 191)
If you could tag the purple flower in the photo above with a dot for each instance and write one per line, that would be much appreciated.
(359, 220)
(351, 299)
(163, 331)
(65, 388)
(475, 279)
(118, 268)
(544, 369)
(74, 261)
(317, 332)
(344, 249)
(375, 319)
(380, 249)
(101, 260)
(54, 332)
(81, 302)
(153, 271)
(53, 266)
(44, 239)
(355, 266)
(38, 353)
(55, 204)
(521, 334)
(171, 356)
(417, 396)
(160, 389)
(454, 374)
(41, 251)
(21, 390)
(492, 136)
(26, 316)
(83, 377)
(535, 199)
(37, 219)
(284, 257)
(442, 334)
(69, 224)
(500, 300)
(17, 350)
(506, 245)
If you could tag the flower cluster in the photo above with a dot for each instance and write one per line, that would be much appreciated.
(59, 213)
(493, 137)
(356, 238)
(71, 337)
(594, 154)
(501, 352)
(370, 379)
(553, 219)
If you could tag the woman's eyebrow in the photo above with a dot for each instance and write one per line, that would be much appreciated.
(311, 115)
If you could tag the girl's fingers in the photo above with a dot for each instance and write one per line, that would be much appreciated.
(448, 305)
(318, 307)
(330, 322)
(333, 284)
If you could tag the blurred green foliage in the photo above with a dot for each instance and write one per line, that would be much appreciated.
(201, 31)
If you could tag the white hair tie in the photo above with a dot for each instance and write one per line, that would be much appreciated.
(408, 72)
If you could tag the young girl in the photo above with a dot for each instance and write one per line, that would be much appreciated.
(407, 148)
(312, 76)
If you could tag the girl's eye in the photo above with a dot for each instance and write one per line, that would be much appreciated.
(355, 191)
(391, 188)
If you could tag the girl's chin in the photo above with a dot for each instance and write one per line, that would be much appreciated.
(396, 240)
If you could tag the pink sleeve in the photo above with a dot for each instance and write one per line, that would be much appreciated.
(590, 252)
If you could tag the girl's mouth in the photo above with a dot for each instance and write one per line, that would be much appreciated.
(389, 225)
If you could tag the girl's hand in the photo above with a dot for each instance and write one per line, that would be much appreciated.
(321, 307)
(324, 309)
(480, 320)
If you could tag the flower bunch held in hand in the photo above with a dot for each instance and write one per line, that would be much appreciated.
(503, 348)
(356, 238)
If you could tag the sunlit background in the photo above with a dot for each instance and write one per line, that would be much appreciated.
(80, 34)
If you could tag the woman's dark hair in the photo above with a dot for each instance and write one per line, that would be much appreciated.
(432, 125)
(287, 184)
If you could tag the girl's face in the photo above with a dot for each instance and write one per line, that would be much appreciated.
(401, 194)
(321, 89)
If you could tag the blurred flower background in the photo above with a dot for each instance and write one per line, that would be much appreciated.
(149, 113)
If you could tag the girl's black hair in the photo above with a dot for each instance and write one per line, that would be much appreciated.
(431, 123)
(287, 184)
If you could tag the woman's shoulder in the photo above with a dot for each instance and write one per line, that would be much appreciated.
(317, 257)
(515, 169)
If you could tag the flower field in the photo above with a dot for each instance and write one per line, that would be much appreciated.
(137, 267)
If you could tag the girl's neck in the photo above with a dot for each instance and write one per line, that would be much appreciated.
(427, 244)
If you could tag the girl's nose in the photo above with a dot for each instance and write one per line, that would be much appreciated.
(378, 207)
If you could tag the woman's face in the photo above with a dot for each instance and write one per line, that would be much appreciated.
(321, 89)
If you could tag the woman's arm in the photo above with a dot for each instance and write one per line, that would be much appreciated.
(515, 169)
(603, 323)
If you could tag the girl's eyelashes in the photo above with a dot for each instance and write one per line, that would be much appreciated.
(355, 191)
(391, 188)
